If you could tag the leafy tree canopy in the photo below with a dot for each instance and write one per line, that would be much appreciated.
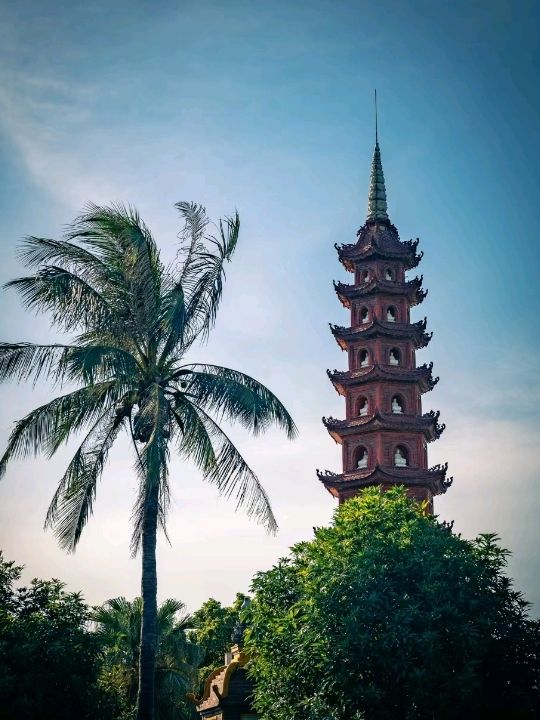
(213, 626)
(388, 614)
(49, 660)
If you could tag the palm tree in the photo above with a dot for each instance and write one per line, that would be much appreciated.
(133, 320)
(118, 625)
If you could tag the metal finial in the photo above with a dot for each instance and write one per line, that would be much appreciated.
(377, 208)
(376, 120)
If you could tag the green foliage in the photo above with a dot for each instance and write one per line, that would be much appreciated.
(49, 660)
(213, 626)
(118, 627)
(387, 614)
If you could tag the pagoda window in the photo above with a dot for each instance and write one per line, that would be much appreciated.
(388, 274)
(363, 407)
(401, 456)
(397, 405)
(365, 276)
(394, 357)
(364, 315)
(391, 314)
(363, 358)
(360, 458)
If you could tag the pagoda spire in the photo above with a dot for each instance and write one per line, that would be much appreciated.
(377, 190)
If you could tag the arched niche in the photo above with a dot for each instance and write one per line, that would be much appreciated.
(361, 458)
(401, 456)
(363, 358)
(397, 405)
(362, 406)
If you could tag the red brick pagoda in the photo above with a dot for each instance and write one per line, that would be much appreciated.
(384, 435)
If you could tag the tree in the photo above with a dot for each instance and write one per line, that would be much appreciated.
(133, 321)
(213, 626)
(49, 659)
(118, 627)
(388, 614)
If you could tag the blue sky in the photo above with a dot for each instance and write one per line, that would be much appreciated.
(267, 107)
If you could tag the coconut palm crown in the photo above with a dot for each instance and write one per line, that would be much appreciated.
(132, 320)
(118, 625)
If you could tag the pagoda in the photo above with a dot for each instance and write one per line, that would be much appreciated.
(384, 435)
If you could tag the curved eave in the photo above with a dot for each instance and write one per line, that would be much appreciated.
(415, 332)
(390, 373)
(435, 479)
(412, 290)
(405, 252)
(390, 422)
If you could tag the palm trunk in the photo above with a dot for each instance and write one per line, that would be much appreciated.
(147, 657)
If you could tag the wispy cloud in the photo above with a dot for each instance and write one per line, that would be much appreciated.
(48, 121)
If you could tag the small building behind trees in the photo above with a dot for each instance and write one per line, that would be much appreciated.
(227, 692)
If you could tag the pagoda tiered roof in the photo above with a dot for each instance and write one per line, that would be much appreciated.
(411, 289)
(389, 373)
(399, 422)
(416, 332)
(379, 241)
(435, 479)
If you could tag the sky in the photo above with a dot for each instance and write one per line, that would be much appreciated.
(267, 107)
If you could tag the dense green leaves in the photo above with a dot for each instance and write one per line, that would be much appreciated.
(60, 660)
(387, 614)
(49, 660)
(213, 626)
(118, 628)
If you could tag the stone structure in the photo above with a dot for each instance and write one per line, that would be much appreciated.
(228, 689)
(384, 434)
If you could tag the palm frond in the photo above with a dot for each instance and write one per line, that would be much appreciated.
(111, 615)
(237, 397)
(21, 361)
(72, 503)
(203, 272)
(172, 321)
(204, 301)
(72, 301)
(191, 242)
(91, 363)
(205, 443)
(85, 363)
(35, 252)
(121, 239)
(193, 440)
(168, 609)
(118, 624)
(48, 426)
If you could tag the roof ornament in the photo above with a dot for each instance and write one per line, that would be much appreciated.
(237, 637)
(377, 191)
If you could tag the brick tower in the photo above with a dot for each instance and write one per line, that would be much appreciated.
(384, 435)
